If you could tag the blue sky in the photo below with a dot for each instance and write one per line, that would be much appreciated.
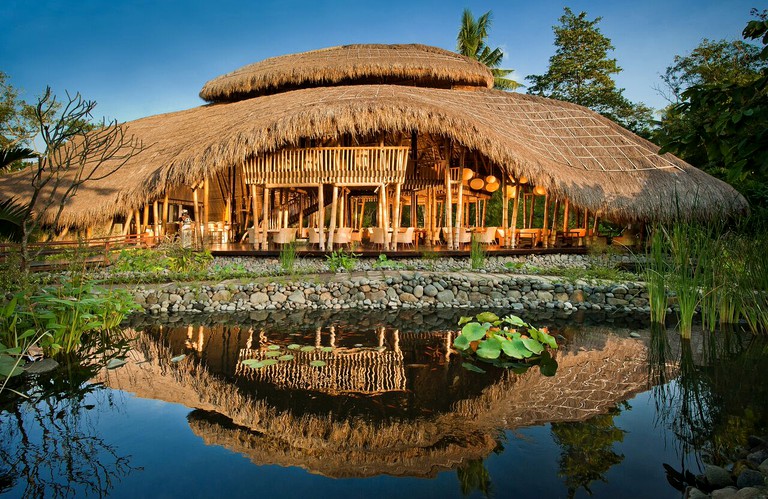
(142, 57)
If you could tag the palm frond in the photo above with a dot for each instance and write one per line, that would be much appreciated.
(14, 154)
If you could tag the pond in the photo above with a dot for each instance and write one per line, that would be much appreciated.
(388, 410)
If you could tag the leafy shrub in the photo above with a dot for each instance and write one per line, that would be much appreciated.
(341, 260)
(476, 254)
(384, 263)
(509, 343)
(288, 257)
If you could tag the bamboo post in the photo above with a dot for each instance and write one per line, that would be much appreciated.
(414, 209)
(545, 232)
(265, 218)
(396, 224)
(566, 214)
(165, 212)
(459, 213)
(482, 218)
(128, 220)
(138, 221)
(448, 207)
(321, 217)
(206, 203)
(199, 231)
(515, 210)
(504, 208)
(385, 217)
(334, 216)
(555, 214)
(145, 220)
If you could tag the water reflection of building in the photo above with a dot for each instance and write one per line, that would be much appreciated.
(595, 373)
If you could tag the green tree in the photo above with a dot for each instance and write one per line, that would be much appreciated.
(581, 72)
(471, 42)
(722, 125)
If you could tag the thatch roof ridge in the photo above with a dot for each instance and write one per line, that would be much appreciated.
(568, 149)
(410, 64)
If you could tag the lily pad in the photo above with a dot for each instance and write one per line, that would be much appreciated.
(294, 346)
(272, 354)
(461, 342)
(489, 349)
(326, 349)
(533, 345)
(268, 362)
(516, 349)
(487, 317)
(514, 321)
(252, 363)
(273, 347)
(115, 363)
(474, 331)
(317, 363)
(464, 320)
(472, 367)
(285, 357)
(547, 365)
(307, 348)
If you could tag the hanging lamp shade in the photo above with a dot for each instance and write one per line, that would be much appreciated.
(490, 179)
(492, 187)
(539, 190)
(477, 183)
(523, 180)
(467, 174)
(511, 191)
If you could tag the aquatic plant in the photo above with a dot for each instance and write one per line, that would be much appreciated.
(655, 274)
(509, 343)
(288, 257)
(341, 260)
(476, 254)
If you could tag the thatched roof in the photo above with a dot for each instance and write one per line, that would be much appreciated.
(566, 148)
(415, 65)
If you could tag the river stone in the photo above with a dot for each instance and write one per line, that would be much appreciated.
(221, 296)
(725, 493)
(717, 477)
(750, 478)
(430, 290)
(418, 291)
(545, 296)
(408, 298)
(278, 298)
(758, 456)
(259, 297)
(751, 493)
(41, 366)
(694, 493)
(297, 297)
(151, 299)
(445, 296)
(764, 467)
(174, 298)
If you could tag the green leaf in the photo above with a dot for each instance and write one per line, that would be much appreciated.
(272, 354)
(273, 347)
(252, 363)
(317, 363)
(514, 321)
(472, 367)
(285, 357)
(487, 317)
(474, 331)
(294, 346)
(489, 350)
(463, 320)
(307, 348)
(516, 349)
(10, 366)
(326, 349)
(533, 345)
(461, 342)
(268, 362)
(547, 365)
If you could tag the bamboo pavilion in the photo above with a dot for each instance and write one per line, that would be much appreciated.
(390, 146)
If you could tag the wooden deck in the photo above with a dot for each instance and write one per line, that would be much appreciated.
(236, 249)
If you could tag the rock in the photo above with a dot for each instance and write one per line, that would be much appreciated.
(751, 493)
(545, 296)
(725, 493)
(408, 298)
(278, 298)
(430, 290)
(259, 297)
(221, 296)
(763, 467)
(634, 335)
(41, 366)
(445, 296)
(758, 457)
(418, 291)
(297, 297)
(694, 493)
(750, 478)
(755, 441)
(717, 477)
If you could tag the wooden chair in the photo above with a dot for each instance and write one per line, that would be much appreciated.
(406, 237)
(285, 236)
(379, 237)
(529, 236)
(314, 237)
(488, 236)
(343, 236)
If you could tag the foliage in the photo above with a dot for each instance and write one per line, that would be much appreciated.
(140, 260)
(384, 263)
(722, 125)
(341, 260)
(471, 43)
(170, 256)
(288, 257)
(476, 254)
(581, 72)
(509, 343)
(587, 450)
(181, 259)
(430, 257)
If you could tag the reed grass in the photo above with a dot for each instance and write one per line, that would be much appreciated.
(288, 257)
(655, 277)
(476, 254)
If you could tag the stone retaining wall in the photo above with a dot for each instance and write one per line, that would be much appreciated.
(395, 289)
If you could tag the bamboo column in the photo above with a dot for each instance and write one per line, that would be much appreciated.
(448, 206)
(138, 220)
(265, 219)
(545, 225)
(334, 216)
(396, 224)
(199, 231)
(128, 220)
(321, 217)
(156, 218)
(206, 203)
(145, 220)
(566, 215)
(554, 221)
(165, 212)
(459, 213)
(504, 208)
(515, 210)
(254, 213)
(385, 217)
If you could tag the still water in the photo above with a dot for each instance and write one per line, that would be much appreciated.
(388, 412)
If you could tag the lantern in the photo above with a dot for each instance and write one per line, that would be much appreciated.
(539, 190)
(511, 191)
(490, 179)
(523, 180)
(477, 183)
(492, 187)
(467, 174)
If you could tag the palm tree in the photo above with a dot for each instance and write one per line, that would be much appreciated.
(11, 213)
(471, 43)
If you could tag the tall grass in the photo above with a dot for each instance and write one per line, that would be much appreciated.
(288, 257)
(655, 273)
(476, 254)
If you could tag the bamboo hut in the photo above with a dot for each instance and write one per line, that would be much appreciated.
(312, 144)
